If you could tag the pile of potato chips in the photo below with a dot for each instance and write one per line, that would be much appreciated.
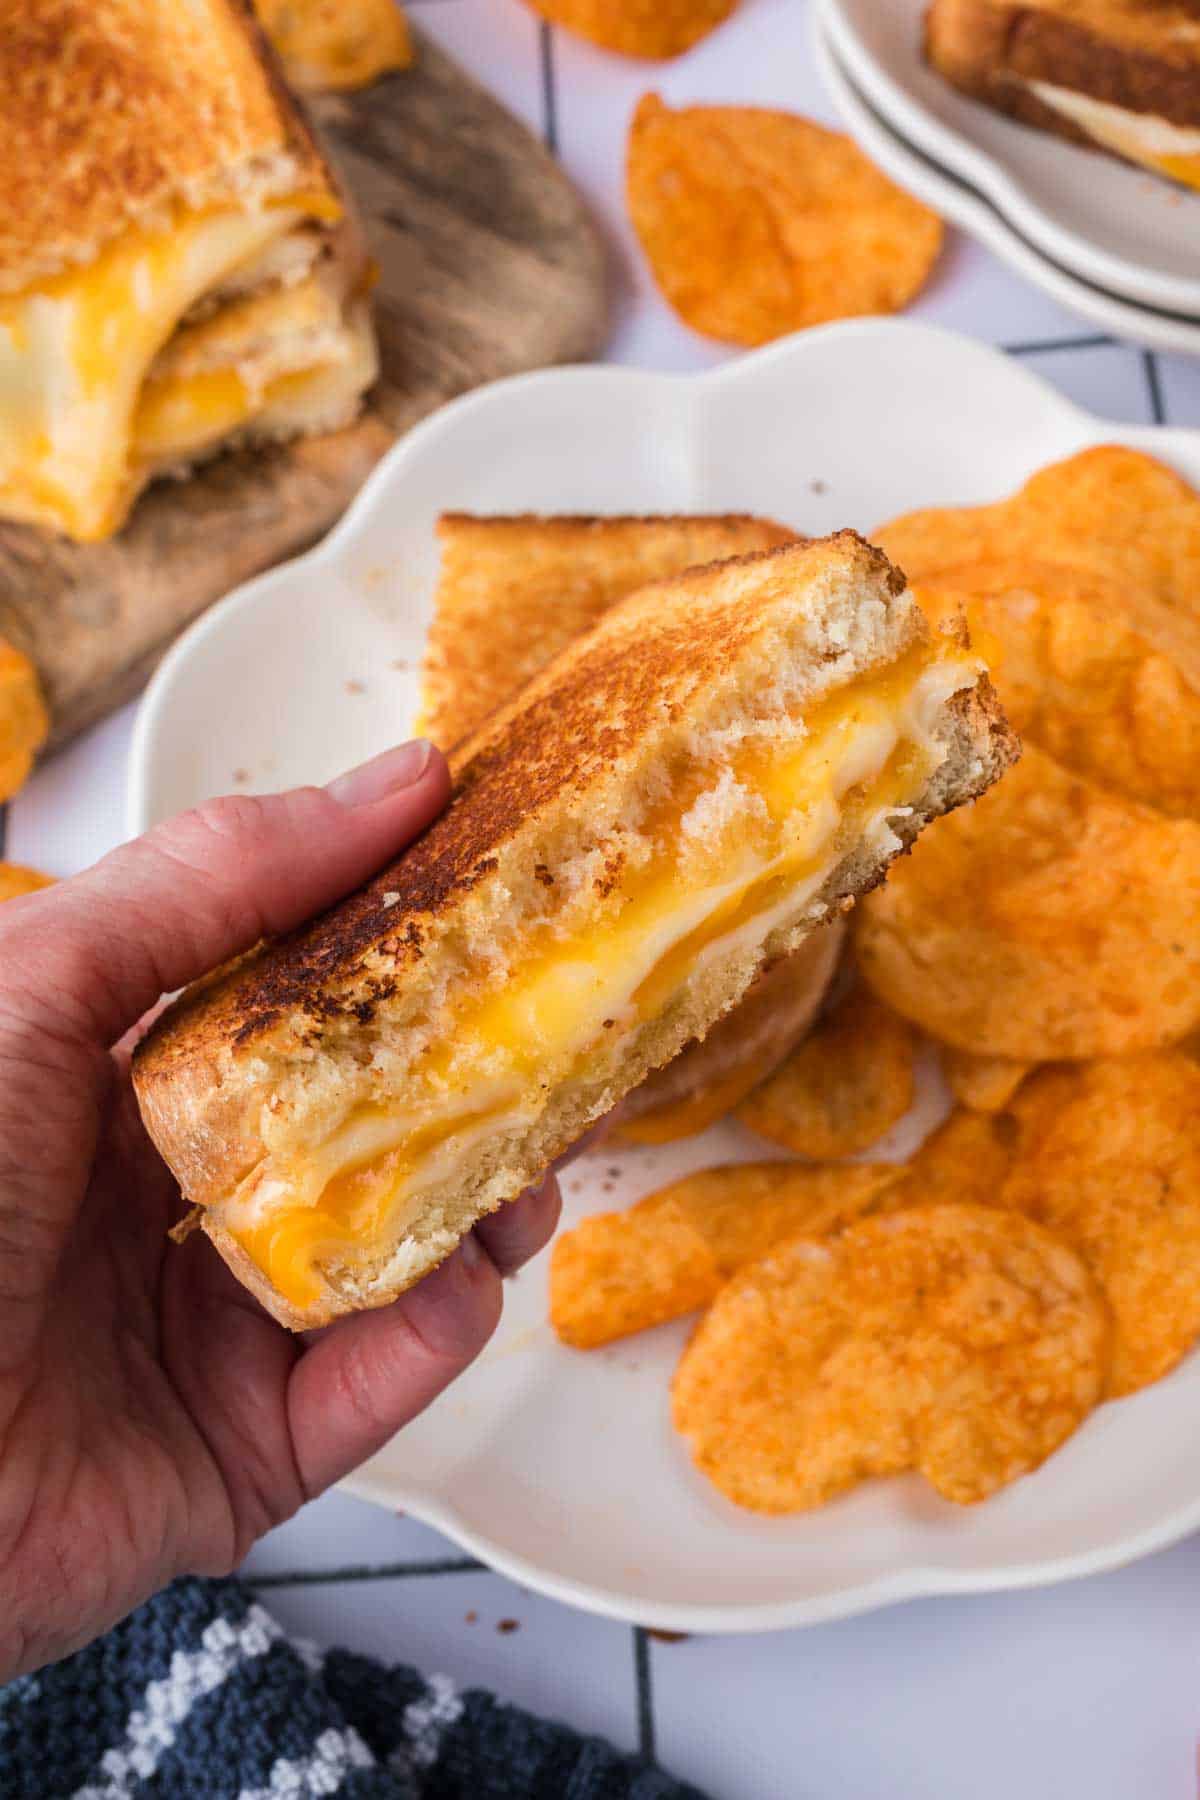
(962, 1313)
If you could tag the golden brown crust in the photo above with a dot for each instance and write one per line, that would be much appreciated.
(115, 109)
(1140, 55)
(515, 590)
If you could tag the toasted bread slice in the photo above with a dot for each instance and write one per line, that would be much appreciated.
(686, 793)
(1121, 76)
(193, 113)
(514, 590)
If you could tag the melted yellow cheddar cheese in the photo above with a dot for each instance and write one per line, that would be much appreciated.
(865, 756)
(356, 1206)
(1185, 169)
(76, 351)
(1143, 138)
(184, 414)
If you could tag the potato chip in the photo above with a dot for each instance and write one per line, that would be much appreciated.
(983, 1083)
(336, 44)
(16, 880)
(1111, 1163)
(24, 721)
(1047, 920)
(620, 1272)
(650, 28)
(965, 1161)
(677, 1119)
(960, 1341)
(1088, 673)
(1115, 513)
(847, 1083)
(758, 223)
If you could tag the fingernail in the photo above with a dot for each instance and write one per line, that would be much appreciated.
(402, 767)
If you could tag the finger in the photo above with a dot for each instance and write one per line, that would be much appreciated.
(515, 1234)
(195, 891)
(367, 1376)
(230, 1363)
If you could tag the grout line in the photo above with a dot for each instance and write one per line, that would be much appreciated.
(450, 1565)
(1158, 411)
(1037, 346)
(549, 87)
(645, 1697)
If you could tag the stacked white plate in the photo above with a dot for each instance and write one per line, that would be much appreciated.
(1115, 244)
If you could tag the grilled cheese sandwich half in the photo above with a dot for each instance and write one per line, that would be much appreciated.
(93, 402)
(1115, 75)
(859, 767)
(687, 793)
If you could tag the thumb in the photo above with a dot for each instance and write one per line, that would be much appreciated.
(100, 949)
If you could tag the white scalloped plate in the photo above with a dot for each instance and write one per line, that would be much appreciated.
(558, 1468)
(1118, 227)
(959, 202)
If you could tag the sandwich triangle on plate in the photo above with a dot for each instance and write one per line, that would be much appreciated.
(685, 793)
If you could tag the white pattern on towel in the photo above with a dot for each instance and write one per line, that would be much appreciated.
(426, 1720)
(151, 1728)
(333, 1756)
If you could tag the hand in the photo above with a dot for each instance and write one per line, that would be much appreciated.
(153, 1419)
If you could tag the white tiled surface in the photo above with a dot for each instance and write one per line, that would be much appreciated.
(1087, 1690)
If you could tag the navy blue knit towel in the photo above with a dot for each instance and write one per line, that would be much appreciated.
(200, 1694)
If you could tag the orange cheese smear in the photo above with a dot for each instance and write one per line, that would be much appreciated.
(76, 350)
(290, 1242)
(552, 1011)
(185, 412)
(1180, 168)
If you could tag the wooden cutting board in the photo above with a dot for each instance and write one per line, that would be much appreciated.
(488, 265)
